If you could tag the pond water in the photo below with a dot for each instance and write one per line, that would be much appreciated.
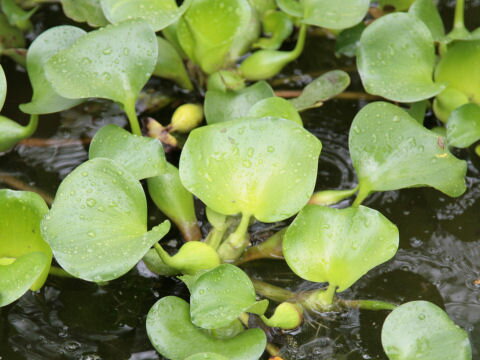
(438, 260)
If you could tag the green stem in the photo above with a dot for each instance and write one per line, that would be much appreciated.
(31, 127)
(215, 237)
(325, 297)
(233, 247)
(268, 249)
(366, 304)
(129, 108)
(458, 22)
(56, 271)
(298, 49)
(363, 193)
(164, 256)
(330, 197)
(272, 292)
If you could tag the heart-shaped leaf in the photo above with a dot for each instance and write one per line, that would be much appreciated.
(143, 157)
(21, 244)
(390, 150)
(170, 65)
(388, 48)
(171, 197)
(276, 107)
(229, 105)
(279, 26)
(261, 167)
(157, 13)
(99, 65)
(221, 295)
(338, 246)
(172, 333)
(427, 11)
(322, 89)
(45, 99)
(199, 35)
(333, 14)
(463, 126)
(89, 11)
(421, 330)
(97, 226)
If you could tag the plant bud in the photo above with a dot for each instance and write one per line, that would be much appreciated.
(186, 118)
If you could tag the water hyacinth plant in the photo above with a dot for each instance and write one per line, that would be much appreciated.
(238, 155)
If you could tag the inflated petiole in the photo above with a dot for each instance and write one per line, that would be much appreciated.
(232, 248)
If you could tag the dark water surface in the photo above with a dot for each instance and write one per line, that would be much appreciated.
(438, 260)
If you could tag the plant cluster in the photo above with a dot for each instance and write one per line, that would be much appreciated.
(252, 161)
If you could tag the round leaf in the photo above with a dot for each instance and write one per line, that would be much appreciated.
(338, 245)
(229, 105)
(143, 157)
(396, 58)
(463, 126)
(261, 167)
(334, 14)
(220, 296)
(99, 65)
(45, 100)
(276, 107)
(426, 10)
(20, 235)
(157, 13)
(89, 11)
(421, 330)
(390, 150)
(97, 226)
(174, 336)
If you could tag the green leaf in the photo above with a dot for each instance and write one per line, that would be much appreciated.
(322, 89)
(157, 13)
(421, 330)
(221, 295)
(388, 48)
(11, 132)
(278, 26)
(276, 107)
(97, 226)
(16, 15)
(10, 36)
(447, 101)
(16, 278)
(334, 15)
(171, 332)
(229, 105)
(89, 11)
(263, 6)
(338, 246)
(348, 40)
(261, 167)
(45, 99)
(418, 110)
(199, 35)
(291, 7)
(143, 157)
(207, 356)
(427, 11)
(170, 65)
(19, 239)
(99, 65)
(390, 150)
(171, 197)
(463, 126)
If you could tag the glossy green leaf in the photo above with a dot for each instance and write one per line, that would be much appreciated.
(16, 15)
(19, 239)
(427, 11)
(388, 48)
(170, 65)
(399, 5)
(89, 11)
(228, 105)
(207, 356)
(221, 295)
(171, 197)
(16, 278)
(348, 40)
(338, 246)
(199, 35)
(10, 36)
(322, 89)
(463, 126)
(157, 13)
(261, 167)
(97, 226)
(45, 99)
(12, 132)
(99, 65)
(421, 330)
(276, 107)
(291, 7)
(278, 26)
(334, 14)
(143, 157)
(390, 150)
(172, 333)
